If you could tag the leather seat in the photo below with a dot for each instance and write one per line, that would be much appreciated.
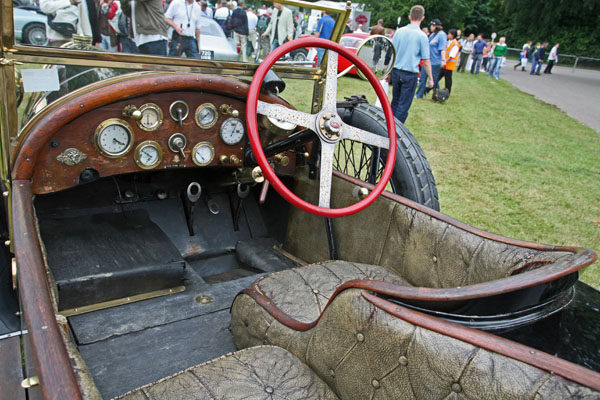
(363, 351)
(263, 372)
(303, 292)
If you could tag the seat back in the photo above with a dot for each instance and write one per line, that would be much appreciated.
(363, 351)
(425, 248)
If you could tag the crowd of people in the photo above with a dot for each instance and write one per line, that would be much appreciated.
(431, 54)
(173, 27)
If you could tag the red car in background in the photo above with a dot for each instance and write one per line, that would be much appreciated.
(349, 40)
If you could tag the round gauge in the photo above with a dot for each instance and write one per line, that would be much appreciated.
(148, 154)
(232, 131)
(152, 117)
(206, 116)
(203, 153)
(113, 138)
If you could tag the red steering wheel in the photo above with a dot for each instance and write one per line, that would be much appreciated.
(327, 124)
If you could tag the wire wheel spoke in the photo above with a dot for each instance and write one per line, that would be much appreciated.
(354, 159)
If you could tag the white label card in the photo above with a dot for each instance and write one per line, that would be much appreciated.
(40, 80)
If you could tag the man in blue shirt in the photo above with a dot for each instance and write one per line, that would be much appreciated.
(411, 47)
(324, 30)
(478, 47)
(437, 44)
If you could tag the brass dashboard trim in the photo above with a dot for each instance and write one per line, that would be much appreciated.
(138, 149)
(158, 110)
(202, 107)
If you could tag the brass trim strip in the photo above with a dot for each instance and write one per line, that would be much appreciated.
(119, 302)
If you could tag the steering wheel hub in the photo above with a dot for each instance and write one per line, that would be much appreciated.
(329, 127)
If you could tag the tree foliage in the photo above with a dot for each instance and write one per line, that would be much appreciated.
(573, 24)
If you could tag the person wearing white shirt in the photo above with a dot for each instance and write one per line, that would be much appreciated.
(51, 7)
(205, 9)
(252, 22)
(552, 58)
(184, 17)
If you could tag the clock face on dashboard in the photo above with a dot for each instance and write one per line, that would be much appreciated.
(113, 138)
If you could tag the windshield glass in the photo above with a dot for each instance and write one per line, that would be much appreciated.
(207, 30)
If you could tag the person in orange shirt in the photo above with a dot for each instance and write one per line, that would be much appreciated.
(449, 59)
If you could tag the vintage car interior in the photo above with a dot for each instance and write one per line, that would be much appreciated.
(192, 235)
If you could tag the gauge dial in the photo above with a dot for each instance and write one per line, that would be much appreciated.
(203, 153)
(232, 131)
(148, 154)
(113, 138)
(152, 117)
(206, 116)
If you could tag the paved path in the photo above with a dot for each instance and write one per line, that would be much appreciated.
(577, 94)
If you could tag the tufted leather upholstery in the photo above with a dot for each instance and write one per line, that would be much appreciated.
(362, 352)
(302, 293)
(264, 372)
(424, 250)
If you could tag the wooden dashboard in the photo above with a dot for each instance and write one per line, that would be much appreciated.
(56, 148)
(76, 140)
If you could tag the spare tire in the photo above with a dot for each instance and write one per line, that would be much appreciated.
(412, 176)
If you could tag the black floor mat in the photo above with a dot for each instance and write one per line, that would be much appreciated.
(102, 257)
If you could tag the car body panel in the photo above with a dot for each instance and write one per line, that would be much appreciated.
(23, 17)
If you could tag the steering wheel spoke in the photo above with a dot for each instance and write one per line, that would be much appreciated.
(330, 98)
(285, 114)
(325, 168)
(360, 135)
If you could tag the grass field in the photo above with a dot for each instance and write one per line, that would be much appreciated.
(504, 161)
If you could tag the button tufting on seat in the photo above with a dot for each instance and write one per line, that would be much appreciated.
(332, 372)
(375, 383)
(315, 291)
(456, 388)
(360, 337)
(403, 360)
(269, 390)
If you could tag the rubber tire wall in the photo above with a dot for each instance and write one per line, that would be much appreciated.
(412, 176)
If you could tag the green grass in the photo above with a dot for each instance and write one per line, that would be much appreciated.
(504, 161)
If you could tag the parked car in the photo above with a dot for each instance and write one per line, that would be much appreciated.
(30, 26)
(214, 45)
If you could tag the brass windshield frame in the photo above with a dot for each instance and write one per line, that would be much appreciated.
(12, 54)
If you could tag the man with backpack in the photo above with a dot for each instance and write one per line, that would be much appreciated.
(223, 17)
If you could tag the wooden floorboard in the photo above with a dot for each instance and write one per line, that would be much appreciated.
(11, 370)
